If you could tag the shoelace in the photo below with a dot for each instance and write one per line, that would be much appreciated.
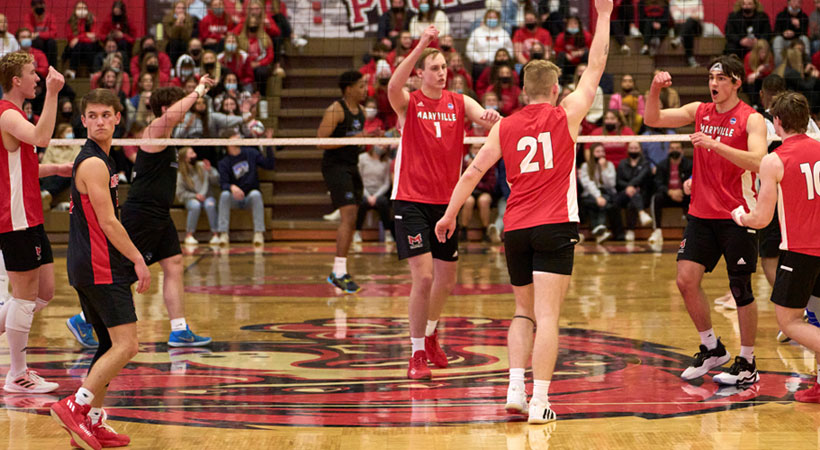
(33, 376)
(703, 355)
(738, 365)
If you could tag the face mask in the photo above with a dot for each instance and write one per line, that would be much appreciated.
(572, 30)
(230, 86)
(186, 73)
(505, 80)
(459, 91)
(531, 26)
(69, 135)
(794, 11)
(218, 11)
(152, 68)
(370, 113)
(149, 49)
(424, 7)
(67, 114)
(81, 13)
(610, 126)
(634, 155)
(675, 155)
(253, 29)
(39, 10)
(446, 48)
(493, 107)
(209, 66)
(492, 23)
(384, 81)
(396, 10)
(118, 17)
(25, 42)
(230, 47)
(748, 11)
(499, 62)
(195, 52)
(537, 55)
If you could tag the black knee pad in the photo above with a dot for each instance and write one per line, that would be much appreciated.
(740, 283)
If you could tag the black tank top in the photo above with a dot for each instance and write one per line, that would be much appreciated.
(92, 260)
(352, 124)
(154, 181)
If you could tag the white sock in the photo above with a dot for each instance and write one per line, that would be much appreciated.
(747, 352)
(418, 344)
(179, 324)
(82, 316)
(83, 397)
(431, 327)
(95, 415)
(339, 266)
(18, 324)
(540, 391)
(39, 304)
(3, 274)
(818, 372)
(708, 338)
(517, 377)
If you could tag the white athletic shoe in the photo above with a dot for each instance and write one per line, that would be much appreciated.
(357, 237)
(730, 303)
(630, 236)
(645, 218)
(656, 237)
(742, 372)
(335, 216)
(29, 383)
(258, 239)
(388, 238)
(215, 240)
(540, 412)
(634, 31)
(190, 240)
(723, 299)
(516, 399)
(706, 360)
(224, 240)
(603, 236)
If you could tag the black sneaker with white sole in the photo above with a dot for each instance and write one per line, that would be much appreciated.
(706, 360)
(742, 372)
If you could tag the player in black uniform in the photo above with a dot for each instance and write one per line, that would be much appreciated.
(146, 214)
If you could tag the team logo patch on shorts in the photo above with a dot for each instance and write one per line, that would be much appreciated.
(349, 195)
(39, 252)
(682, 246)
(415, 241)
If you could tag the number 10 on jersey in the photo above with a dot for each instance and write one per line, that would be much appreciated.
(530, 144)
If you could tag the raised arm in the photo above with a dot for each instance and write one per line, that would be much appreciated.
(654, 116)
(163, 126)
(22, 130)
(577, 104)
(476, 113)
(771, 172)
(395, 88)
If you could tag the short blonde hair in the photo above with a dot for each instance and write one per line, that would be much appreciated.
(11, 65)
(428, 52)
(539, 77)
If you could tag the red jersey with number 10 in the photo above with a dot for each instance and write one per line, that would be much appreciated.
(798, 195)
(21, 206)
(428, 163)
(719, 186)
(539, 155)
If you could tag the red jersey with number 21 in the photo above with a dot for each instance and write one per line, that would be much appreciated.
(539, 155)
(428, 163)
(798, 195)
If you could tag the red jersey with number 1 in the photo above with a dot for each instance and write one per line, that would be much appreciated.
(428, 163)
(539, 155)
(798, 195)
(719, 186)
(21, 206)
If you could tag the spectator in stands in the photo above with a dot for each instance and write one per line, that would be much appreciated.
(628, 89)
(596, 112)
(814, 28)
(201, 122)
(655, 152)
(257, 44)
(481, 198)
(377, 53)
(196, 51)
(393, 22)
(670, 175)
(179, 28)
(759, 64)
(198, 9)
(502, 58)
(82, 40)
(800, 77)
(8, 43)
(214, 26)
(266, 22)
(229, 87)
(623, 20)
(140, 107)
(231, 112)
(613, 126)
(572, 48)
(239, 181)
(386, 113)
(404, 45)
(119, 27)
(486, 40)
(552, 14)
(211, 66)
(185, 70)
(28, 111)
(634, 186)
(629, 114)
(455, 66)
(54, 185)
(597, 177)
(277, 9)
(148, 46)
(745, 25)
(428, 15)
(150, 66)
(195, 180)
(44, 30)
(109, 48)
(654, 18)
(506, 90)
(689, 23)
(526, 36)
(789, 25)
(447, 44)
(122, 83)
(65, 112)
(124, 159)
(40, 61)
(541, 51)
(374, 168)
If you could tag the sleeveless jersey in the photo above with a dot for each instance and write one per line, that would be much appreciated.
(798, 195)
(718, 186)
(428, 162)
(92, 259)
(154, 181)
(539, 155)
(20, 204)
(352, 124)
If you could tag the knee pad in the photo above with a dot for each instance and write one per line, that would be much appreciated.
(741, 286)
(20, 315)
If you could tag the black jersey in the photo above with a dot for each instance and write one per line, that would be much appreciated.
(154, 181)
(352, 125)
(92, 259)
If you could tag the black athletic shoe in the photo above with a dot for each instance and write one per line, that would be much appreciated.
(706, 360)
(742, 372)
(344, 283)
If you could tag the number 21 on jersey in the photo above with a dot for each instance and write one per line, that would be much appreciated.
(530, 145)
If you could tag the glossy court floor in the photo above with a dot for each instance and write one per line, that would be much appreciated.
(294, 365)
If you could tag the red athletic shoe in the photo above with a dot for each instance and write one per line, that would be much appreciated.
(74, 418)
(106, 435)
(811, 395)
(418, 369)
(434, 351)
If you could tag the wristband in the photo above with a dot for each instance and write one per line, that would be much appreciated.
(201, 90)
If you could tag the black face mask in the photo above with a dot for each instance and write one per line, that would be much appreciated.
(446, 48)
(397, 10)
(152, 68)
(748, 11)
(505, 80)
(39, 10)
(499, 62)
(675, 155)
(537, 55)
(384, 81)
(253, 29)
(118, 17)
(209, 66)
(67, 114)
(531, 26)
(610, 126)
(635, 155)
(195, 52)
(149, 49)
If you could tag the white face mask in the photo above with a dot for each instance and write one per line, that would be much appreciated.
(81, 13)
(370, 113)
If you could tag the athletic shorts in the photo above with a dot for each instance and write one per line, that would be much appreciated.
(109, 305)
(344, 183)
(156, 238)
(416, 231)
(27, 249)
(706, 240)
(798, 278)
(544, 248)
(770, 239)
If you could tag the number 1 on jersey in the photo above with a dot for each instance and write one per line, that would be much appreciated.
(812, 178)
(438, 129)
(531, 144)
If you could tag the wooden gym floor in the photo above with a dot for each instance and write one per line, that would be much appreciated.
(296, 366)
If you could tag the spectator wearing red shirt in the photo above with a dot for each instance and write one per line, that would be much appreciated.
(385, 111)
(185, 70)
(507, 92)
(259, 47)
(572, 48)
(255, 9)
(214, 27)
(120, 28)
(44, 30)
(404, 46)
(150, 66)
(237, 61)
(502, 57)
(114, 62)
(615, 151)
(40, 61)
(377, 53)
(82, 40)
(455, 66)
(148, 45)
(527, 35)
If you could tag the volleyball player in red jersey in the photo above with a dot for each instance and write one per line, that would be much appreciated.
(541, 220)
(729, 141)
(790, 179)
(428, 165)
(23, 239)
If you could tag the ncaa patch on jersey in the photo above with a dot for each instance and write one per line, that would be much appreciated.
(732, 121)
(450, 106)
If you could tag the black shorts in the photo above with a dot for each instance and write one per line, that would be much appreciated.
(706, 240)
(544, 248)
(770, 239)
(156, 238)
(27, 249)
(109, 305)
(416, 231)
(798, 278)
(344, 183)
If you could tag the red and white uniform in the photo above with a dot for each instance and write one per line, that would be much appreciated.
(798, 195)
(20, 204)
(428, 163)
(719, 186)
(539, 155)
